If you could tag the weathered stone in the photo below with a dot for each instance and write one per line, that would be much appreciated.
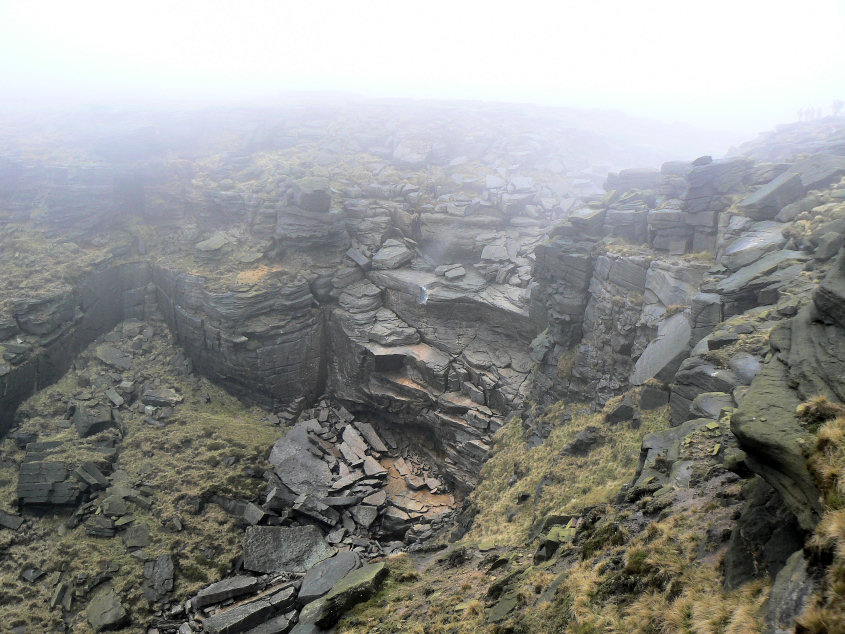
(364, 514)
(791, 591)
(321, 578)
(90, 422)
(226, 589)
(105, 611)
(296, 466)
(241, 618)
(767, 201)
(277, 548)
(354, 588)
(710, 405)
(158, 578)
(767, 430)
(664, 354)
(754, 243)
(136, 536)
(112, 356)
(392, 255)
(12, 522)
(161, 397)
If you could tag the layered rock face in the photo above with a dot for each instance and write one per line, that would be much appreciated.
(49, 332)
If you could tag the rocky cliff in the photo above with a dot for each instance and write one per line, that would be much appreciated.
(402, 298)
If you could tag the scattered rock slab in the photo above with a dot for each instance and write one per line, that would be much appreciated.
(321, 578)
(105, 611)
(158, 578)
(277, 548)
(226, 589)
(354, 588)
(243, 617)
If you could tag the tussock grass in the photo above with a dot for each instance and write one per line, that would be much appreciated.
(181, 461)
(826, 611)
(557, 483)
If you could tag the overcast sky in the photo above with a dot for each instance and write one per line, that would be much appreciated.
(739, 65)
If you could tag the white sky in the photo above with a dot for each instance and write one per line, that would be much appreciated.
(740, 65)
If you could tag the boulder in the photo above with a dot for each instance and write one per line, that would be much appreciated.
(299, 469)
(754, 243)
(226, 589)
(766, 202)
(161, 397)
(113, 357)
(354, 588)
(158, 578)
(277, 548)
(791, 592)
(392, 255)
(768, 431)
(92, 421)
(710, 405)
(664, 354)
(248, 615)
(320, 579)
(105, 611)
(313, 194)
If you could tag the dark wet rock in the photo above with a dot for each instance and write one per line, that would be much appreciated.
(277, 548)
(653, 397)
(161, 397)
(768, 431)
(314, 508)
(764, 537)
(248, 615)
(300, 470)
(354, 588)
(10, 521)
(664, 354)
(110, 355)
(584, 442)
(321, 578)
(277, 625)
(623, 411)
(710, 405)
(226, 589)
(136, 536)
(313, 194)
(791, 592)
(92, 421)
(697, 375)
(105, 611)
(158, 578)
(46, 483)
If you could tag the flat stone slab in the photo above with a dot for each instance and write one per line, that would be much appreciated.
(354, 588)
(758, 240)
(278, 548)
(105, 611)
(300, 470)
(226, 589)
(320, 579)
(392, 255)
(665, 351)
(243, 617)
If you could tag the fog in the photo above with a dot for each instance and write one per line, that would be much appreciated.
(734, 67)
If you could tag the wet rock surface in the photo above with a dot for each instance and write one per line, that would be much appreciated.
(389, 323)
